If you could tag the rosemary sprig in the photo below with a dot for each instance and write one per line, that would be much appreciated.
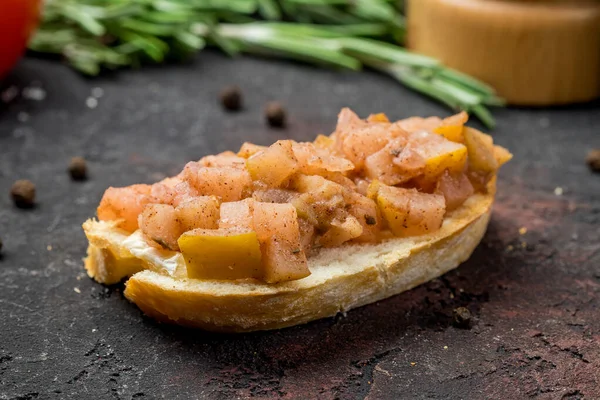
(93, 35)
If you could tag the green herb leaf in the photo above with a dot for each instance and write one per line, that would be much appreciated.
(269, 9)
(93, 35)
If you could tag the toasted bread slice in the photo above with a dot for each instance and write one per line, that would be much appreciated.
(341, 278)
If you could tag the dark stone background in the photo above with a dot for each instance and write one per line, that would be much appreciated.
(535, 297)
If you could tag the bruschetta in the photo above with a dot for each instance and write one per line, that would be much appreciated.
(275, 236)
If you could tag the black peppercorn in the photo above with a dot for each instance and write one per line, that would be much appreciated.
(231, 98)
(22, 193)
(275, 115)
(593, 160)
(462, 317)
(78, 169)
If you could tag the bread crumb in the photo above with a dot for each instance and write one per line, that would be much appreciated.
(445, 347)
(77, 290)
(558, 191)
(91, 102)
(34, 93)
(23, 116)
(523, 245)
(49, 247)
(97, 92)
(510, 247)
(412, 364)
(522, 230)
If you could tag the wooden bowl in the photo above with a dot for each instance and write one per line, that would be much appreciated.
(534, 52)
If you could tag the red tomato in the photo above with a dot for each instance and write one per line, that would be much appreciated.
(18, 19)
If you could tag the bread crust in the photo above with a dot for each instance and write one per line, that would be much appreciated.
(341, 278)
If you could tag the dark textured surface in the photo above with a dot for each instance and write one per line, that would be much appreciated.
(535, 298)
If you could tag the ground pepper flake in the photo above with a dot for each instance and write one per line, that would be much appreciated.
(22, 193)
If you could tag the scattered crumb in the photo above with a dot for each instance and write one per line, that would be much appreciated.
(412, 364)
(445, 347)
(34, 93)
(383, 371)
(81, 200)
(77, 290)
(558, 191)
(523, 245)
(97, 92)
(91, 102)
(9, 94)
(451, 295)
(49, 247)
(22, 116)
(522, 230)
(94, 330)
